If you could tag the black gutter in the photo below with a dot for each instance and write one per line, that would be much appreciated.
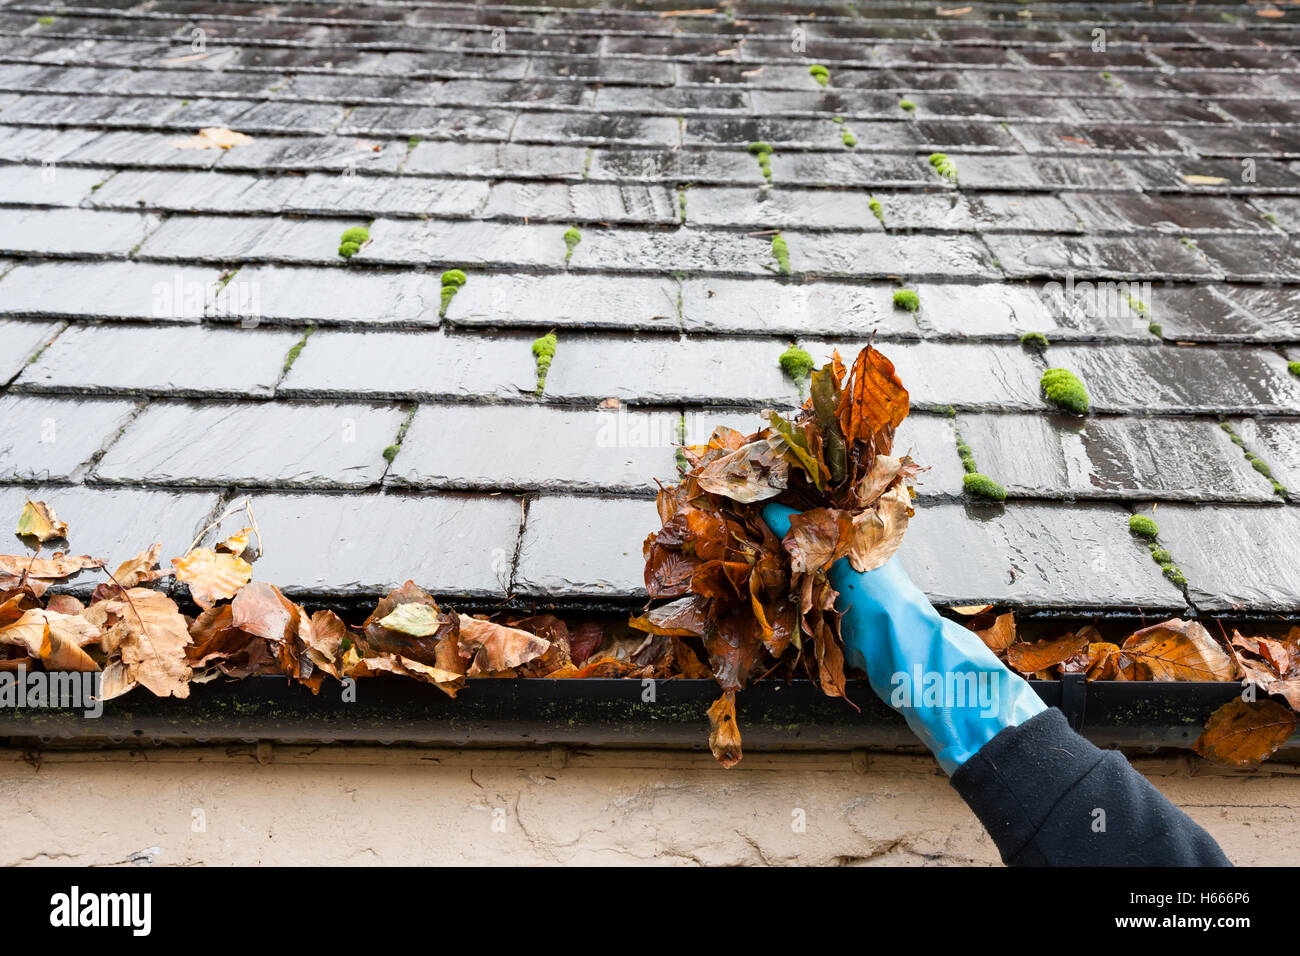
(773, 715)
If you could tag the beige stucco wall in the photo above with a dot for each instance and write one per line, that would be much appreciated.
(340, 806)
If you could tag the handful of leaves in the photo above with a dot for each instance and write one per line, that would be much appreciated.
(755, 601)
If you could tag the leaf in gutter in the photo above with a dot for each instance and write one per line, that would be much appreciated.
(236, 543)
(724, 734)
(47, 568)
(148, 635)
(39, 521)
(322, 636)
(1243, 733)
(1030, 658)
(1001, 635)
(212, 575)
(1179, 650)
(753, 472)
(817, 538)
(417, 620)
(141, 569)
(874, 400)
(1194, 180)
(261, 610)
(495, 647)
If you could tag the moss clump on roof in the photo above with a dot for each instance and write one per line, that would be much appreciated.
(781, 252)
(1143, 526)
(1293, 368)
(763, 153)
(820, 73)
(1257, 463)
(571, 239)
(544, 352)
(907, 106)
(907, 300)
(46, 21)
(944, 166)
(391, 452)
(1064, 389)
(879, 212)
(982, 486)
(796, 363)
(452, 280)
(847, 138)
(966, 455)
(1160, 555)
(1035, 341)
(352, 240)
(296, 349)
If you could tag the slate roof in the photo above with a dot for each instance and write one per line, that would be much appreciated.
(143, 396)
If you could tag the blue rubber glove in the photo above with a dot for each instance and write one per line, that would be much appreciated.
(953, 691)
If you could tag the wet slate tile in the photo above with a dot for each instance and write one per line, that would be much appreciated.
(984, 310)
(1235, 557)
(1181, 380)
(1109, 457)
(861, 256)
(1028, 554)
(684, 165)
(72, 232)
(581, 202)
(961, 375)
(794, 308)
(51, 439)
(430, 122)
(1178, 215)
(251, 239)
(176, 191)
(309, 153)
(448, 243)
(952, 211)
(850, 168)
(781, 208)
(1257, 259)
(122, 290)
(596, 129)
(678, 250)
(117, 523)
(326, 543)
(497, 160)
(1119, 258)
(329, 296)
(1277, 442)
(38, 110)
(565, 300)
(538, 448)
(22, 341)
(576, 546)
(1233, 313)
(931, 441)
(1039, 172)
(262, 444)
(161, 360)
(48, 185)
(25, 144)
(417, 365)
(665, 370)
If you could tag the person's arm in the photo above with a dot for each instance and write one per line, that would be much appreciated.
(1046, 796)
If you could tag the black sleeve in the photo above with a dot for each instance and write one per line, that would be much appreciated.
(1049, 798)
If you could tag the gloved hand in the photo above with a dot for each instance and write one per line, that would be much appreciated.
(953, 691)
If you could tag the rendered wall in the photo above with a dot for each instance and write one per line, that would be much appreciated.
(337, 806)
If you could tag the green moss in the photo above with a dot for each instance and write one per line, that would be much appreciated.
(982, 486)
(1064, 389)
(1035, 341)
(796, 363)
(413, 142)
(966, 455)
(1174, 574)
(544, 353)
(907, 300)
(947, 411)
(292, 355)
(391, 452)
(907, 106)
(352, 240)
(452, 280)
(1160, 555)
(876, 209)
(763, 153)
(1273, 219)
(1293, 368)
(1156, 329)
(848, 139)
(1260, 466)
(46, 21)
(1144, 526)
(820, 73)
(944, 166)
(571, 239)
(781, 252)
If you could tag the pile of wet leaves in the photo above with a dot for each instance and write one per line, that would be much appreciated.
(756, 603)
